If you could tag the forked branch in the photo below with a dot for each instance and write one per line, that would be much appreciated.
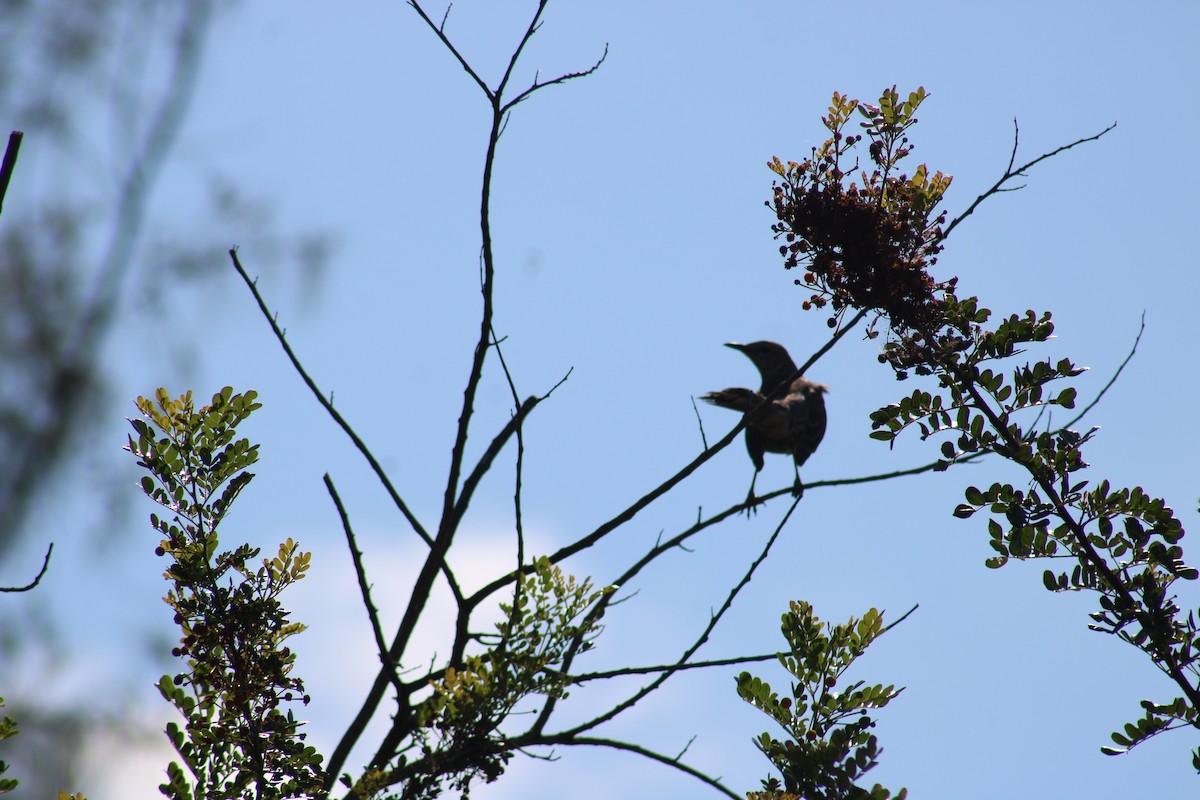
(1010, 172)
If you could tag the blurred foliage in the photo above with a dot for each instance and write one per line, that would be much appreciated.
(236, 743)
(83, 253)
(64, 259)
(101, 120)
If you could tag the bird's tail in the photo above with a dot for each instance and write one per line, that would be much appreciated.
(743, 400)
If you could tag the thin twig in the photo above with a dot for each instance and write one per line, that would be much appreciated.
(560, 79)
(1137, 339)
(896, 622)
(364, 586)
(700, 423)
(648, 670)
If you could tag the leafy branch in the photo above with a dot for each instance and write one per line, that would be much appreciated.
(237, 742)
(1124, 542)
(829, 746)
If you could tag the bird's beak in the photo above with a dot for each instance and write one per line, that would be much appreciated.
(736, 345)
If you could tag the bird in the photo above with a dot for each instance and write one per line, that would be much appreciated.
(793, 422)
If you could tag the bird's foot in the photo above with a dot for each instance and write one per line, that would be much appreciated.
(798, 489)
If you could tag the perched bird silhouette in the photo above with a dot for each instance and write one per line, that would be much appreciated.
(791, 423)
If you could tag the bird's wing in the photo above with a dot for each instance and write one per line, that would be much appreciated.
(806, 420)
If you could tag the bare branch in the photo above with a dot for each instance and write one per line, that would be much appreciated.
(691, 650)
(453, 505)
(633, 748)
(1010, 173)
(716, 662)
(882, 476)
(560, 79)
(489, 456)
(9, 163)
(440, 31)
(327, 404)
(37, 579)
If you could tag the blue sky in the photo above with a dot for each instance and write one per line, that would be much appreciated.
(632, 241)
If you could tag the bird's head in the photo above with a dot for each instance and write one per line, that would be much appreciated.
(771, 358)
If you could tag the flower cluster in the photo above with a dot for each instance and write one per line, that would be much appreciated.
(869, 244)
